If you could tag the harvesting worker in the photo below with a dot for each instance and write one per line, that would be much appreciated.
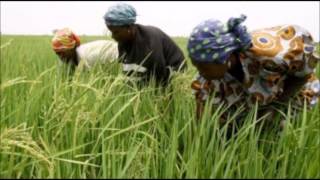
(145, 51)
(270, 66)
(66, 44)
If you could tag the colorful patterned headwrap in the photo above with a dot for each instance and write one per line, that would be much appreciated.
(213, 42)
(120, 14)
(64, 39)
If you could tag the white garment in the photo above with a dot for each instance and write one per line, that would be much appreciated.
(101, 51)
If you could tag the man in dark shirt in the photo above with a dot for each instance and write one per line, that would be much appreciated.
(145, 51)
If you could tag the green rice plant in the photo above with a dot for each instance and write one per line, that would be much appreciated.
(101, 124)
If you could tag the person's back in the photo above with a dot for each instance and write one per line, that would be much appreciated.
(279, 63)
(99, 51)
(172, 53)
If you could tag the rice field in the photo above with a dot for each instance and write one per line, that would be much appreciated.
(100, 125)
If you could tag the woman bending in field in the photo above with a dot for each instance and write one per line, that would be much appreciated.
(144, 51)
(270, 66)
(66, 45)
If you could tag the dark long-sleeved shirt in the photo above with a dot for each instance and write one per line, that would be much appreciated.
(151, 53)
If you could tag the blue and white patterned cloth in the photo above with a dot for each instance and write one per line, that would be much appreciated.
(213, 42)
(120, 14)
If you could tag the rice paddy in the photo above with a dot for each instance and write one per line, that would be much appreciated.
(100, 124)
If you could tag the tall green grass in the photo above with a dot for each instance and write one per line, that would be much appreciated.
(97, 125)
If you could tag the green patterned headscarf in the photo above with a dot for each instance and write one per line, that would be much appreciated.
(120, 14)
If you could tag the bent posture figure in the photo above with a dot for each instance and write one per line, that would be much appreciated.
(66, 45)
(270, 66)
(144, 50)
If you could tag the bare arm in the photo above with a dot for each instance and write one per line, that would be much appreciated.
(292, 85)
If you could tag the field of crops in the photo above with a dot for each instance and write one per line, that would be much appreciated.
(96, 125)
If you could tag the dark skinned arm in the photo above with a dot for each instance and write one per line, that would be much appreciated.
(292, 85)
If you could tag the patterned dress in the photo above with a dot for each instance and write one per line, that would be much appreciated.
(276, 53)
